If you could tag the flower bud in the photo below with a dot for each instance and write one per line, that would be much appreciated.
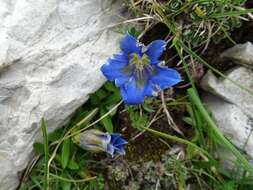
(95, 141)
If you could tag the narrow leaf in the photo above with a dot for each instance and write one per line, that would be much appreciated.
(107, 121)
(39, 148)
(65, 153)
(73, 165)
(46, 153)
(195, 99)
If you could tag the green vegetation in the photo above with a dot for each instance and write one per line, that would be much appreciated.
(176, 122)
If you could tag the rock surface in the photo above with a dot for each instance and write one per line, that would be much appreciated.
(241, 54)
(232, 109)
(50, 55)
(231, 92)
(232, 121)
(231, 106)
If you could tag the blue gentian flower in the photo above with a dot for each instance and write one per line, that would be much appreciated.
(94, 140)
(137, 70)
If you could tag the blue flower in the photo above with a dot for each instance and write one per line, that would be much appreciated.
(94, 140)
(137, 70)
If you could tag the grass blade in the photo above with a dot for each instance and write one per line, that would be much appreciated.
(231, 13)
(107, 121)
(195, 99)
(194, 55)
(177, 139)
(72, 180)
(46, 154)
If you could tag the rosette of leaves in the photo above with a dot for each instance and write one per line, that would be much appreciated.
(202, 9)
(203, 26)
(173, 6)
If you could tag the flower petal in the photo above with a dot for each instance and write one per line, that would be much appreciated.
(130, 45)
(150, 89)
(114, 137)
(110, 149)
(165, 77)
(113, 68)
(155, 49)
(94, 136)
(120, 141)
(93, 148)
(121, 57)
(132, 93)
(121, 80)
(120, 151)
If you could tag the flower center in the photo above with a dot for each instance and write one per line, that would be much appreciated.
(140, 62)
(140, 68)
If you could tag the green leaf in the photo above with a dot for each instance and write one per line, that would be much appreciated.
(188, 120)
(36, 180)
(194, 97)
(56, 135)
(94, 99)
(65, 153)
(231, 13)
(107, 121)
(147, 108)
(73, 165)
(134, 32)
(101, 94)
(39, 148)
(111, 107)
(112, 99)
(110, 87)
(65, 184)
(46, 153)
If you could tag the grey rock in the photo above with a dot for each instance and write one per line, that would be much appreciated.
(229, 91)
(240, 53)
(50, 58)
(232, 109)
(232, 121)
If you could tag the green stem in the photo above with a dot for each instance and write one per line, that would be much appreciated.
(175, 138)
(231, 13)
(73, 180)
(186, 67)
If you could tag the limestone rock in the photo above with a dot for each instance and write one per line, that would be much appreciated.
(232, 121)
(231, 92)
(240, 53)
(50, 58)
(232, 109)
